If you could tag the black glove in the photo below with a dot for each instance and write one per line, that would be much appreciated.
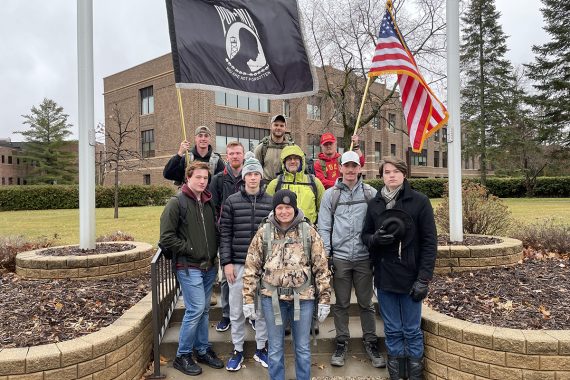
(381, 237)
(331, 265)
(419, 290)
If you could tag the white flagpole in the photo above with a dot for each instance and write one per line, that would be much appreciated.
(86, 124)
(454, 125)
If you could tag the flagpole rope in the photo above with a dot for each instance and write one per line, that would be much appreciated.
(361, 108)
(181, 112)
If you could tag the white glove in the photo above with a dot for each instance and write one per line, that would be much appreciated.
(249, 311)
(323, 311)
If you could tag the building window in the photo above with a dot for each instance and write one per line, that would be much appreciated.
(313, 146)
(17, 161)
(147, 100)
(18, 180)
(436, 159)
(146, 179)
(376, 122)
(249, 137)
(9, 160)
(251, 103)
(392, 122)
(2, 158)
(10, 181)
(393, 150)
(25, 182)
(3, 181)
(444, 159)
(147, 140)
(377, 151)
(418, 159)
(314, 108)
(436, 135)
(286, 108)
(444, 135)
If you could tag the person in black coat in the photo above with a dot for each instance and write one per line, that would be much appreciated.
(242, 213)
(400, 232)
(202, 151)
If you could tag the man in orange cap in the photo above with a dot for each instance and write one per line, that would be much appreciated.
(327, 167)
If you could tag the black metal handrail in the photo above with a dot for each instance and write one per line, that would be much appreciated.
(165, 294)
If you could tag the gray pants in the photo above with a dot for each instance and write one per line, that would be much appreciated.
(359, 274)
(225, 293)
(237, 317)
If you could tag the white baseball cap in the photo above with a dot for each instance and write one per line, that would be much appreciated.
(350, 156)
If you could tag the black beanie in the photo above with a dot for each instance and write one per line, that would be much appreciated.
(286, 197)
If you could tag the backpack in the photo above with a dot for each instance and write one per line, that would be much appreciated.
(268, 240)
(367, 189)
(311, 183)
(182, 211)
(212, 163)
(324, 165)
(266, 143)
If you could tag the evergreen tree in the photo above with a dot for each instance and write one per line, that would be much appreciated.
(551, 72)
(46, 151)
(487, 79)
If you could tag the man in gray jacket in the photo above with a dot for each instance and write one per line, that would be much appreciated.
(341, 217)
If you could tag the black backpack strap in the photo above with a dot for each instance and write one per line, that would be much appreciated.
(279, 182)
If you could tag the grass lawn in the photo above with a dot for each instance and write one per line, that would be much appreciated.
(143, 222)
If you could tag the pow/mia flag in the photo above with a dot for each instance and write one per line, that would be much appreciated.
(253, 46)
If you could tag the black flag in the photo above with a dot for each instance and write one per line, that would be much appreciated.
(253, 46)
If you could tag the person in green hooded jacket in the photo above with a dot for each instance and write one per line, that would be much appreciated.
(307, 187)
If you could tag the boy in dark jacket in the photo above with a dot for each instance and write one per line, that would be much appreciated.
(241, 215)
(399, 230)
(194, 246)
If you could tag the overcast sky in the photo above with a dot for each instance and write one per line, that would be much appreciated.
(39, 48)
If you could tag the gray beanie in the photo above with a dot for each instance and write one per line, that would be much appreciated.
(251, 164)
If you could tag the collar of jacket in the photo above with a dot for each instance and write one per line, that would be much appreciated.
(228, 171)
(406, 192)
(204, 197)
(326, 158)
(342, 186)
(296, 220)
(245, 194)
(207, 156)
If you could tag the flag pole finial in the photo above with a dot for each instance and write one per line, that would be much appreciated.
(389, 5)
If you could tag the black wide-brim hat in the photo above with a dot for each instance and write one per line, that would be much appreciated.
(398, 223)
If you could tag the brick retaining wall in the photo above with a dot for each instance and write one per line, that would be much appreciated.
(119, 351)
(457, 350)
(31, 265)
(465, 258)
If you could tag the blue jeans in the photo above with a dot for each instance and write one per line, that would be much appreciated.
(196, 286)
(402, 324)
(301, 331)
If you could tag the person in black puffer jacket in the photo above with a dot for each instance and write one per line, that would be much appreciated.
(400, 233)
(242, 213)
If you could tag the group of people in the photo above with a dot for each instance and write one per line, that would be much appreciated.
(282, 235)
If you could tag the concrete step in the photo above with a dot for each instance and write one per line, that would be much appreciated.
(357, 366)
(216, 310)
(222, 341)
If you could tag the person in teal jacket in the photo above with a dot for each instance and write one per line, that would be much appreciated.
(307, 187)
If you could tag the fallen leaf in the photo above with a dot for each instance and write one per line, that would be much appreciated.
(545, 312)
(58, 306)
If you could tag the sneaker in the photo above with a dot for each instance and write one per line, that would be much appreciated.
(261, 357)
(234, 362)
(223, 325)
(186, 365)
(337, 359)
(252, 323)
(210, 358)
(378, 360)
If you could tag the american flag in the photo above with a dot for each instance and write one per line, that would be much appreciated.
(423, 112)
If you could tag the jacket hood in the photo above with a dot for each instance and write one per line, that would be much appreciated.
(196, 154)
(298, 219)
(293, 150)
(204, 197)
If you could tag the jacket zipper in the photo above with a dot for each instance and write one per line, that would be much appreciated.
(201, 206)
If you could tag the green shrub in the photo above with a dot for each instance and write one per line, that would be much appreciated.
(546, 235)
(483, 213)
(10, 246)
(46, 197)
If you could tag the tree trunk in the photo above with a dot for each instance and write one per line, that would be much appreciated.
(116, 214)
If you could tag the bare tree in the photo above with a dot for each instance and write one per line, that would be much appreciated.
(119, 155)
(342, 36)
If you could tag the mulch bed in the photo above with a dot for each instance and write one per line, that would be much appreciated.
(76, 251)
(35, 312)
(531, 295)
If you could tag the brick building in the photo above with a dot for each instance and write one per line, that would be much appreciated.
(147, 92)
